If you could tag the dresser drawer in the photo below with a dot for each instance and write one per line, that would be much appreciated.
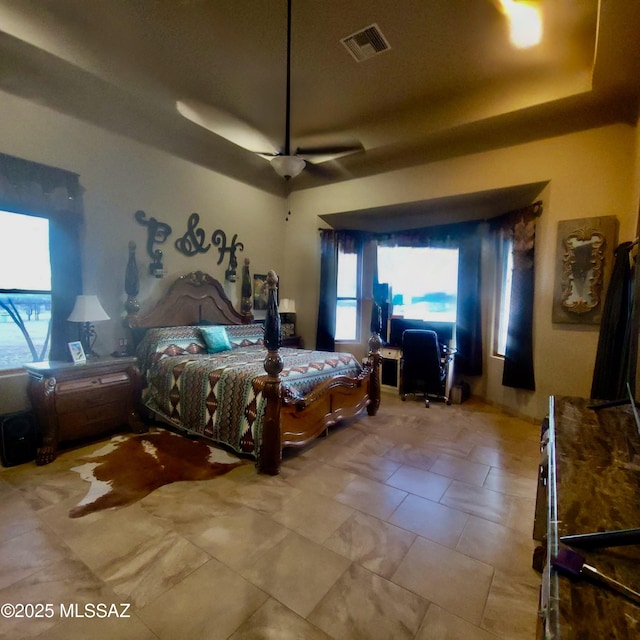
(80, 399)
(92, 421)
(82, 384)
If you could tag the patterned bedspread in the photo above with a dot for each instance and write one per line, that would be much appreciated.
(220, 395)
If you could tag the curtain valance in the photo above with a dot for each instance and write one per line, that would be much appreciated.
(508, 221)
(441, 236)
(346, 240)
(38, 189)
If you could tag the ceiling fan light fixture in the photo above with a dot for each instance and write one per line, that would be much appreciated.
(287, 166)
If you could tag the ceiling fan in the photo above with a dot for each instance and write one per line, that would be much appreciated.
(286, 164)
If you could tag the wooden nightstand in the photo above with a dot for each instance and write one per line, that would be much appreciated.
(76, 401)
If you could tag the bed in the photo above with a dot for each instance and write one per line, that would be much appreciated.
(209, 370)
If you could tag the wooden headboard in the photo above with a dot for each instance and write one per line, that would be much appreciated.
(192, 299)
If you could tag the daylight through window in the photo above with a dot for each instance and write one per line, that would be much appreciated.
(25, 289)
(347, 299)
(504, 297)
(423, 281)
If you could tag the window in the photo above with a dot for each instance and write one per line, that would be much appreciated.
(423, 281)
(347, 306)
(503, 295)
(25, 289)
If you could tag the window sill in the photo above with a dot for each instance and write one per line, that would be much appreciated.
(6, 373)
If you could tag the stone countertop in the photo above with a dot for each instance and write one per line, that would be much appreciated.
(594, 485)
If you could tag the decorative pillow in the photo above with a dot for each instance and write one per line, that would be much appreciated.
(216, 338)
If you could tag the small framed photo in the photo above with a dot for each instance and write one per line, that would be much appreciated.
(77, 353)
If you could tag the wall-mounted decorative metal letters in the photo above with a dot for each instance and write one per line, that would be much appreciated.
(219, 239)
(157, 233)
(192, 242)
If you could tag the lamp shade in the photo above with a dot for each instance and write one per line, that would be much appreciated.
(287, 305)
(87, 309)
(288, 166)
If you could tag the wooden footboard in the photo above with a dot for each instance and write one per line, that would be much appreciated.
(294, 422)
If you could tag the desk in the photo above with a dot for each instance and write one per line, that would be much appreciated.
(593, 485)
(390, 376)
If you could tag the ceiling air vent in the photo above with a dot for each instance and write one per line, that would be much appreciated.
(366, 43)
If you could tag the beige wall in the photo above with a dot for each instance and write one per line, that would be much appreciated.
(119, 177)
(592, 173)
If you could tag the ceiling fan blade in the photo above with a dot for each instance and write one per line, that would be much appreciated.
(328, 150)
(318, 155)
(320, 170)
(226, 126)
(327, 171)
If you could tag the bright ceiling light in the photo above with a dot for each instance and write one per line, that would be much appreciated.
(525, 23)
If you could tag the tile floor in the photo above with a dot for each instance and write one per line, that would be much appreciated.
(414, 524)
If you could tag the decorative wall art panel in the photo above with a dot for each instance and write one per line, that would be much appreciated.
(584, 260)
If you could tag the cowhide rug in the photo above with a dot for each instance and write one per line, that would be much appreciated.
(131, 467)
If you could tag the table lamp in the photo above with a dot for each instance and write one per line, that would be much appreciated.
(88, 310)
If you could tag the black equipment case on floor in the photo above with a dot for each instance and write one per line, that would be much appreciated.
(18, 438)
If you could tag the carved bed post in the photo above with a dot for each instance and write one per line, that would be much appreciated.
(131, 286)
(246, 304)
(270, 448)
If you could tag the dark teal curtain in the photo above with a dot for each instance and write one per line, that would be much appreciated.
(518, 371)
(35, 189)
(332, 242)
(518, 358)
(66, 281)
(468, 315)
(379, 299)
(326, 329)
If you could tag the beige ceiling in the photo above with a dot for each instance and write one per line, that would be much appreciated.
(450, 84)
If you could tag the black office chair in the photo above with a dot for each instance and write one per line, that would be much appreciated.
(423, 366)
